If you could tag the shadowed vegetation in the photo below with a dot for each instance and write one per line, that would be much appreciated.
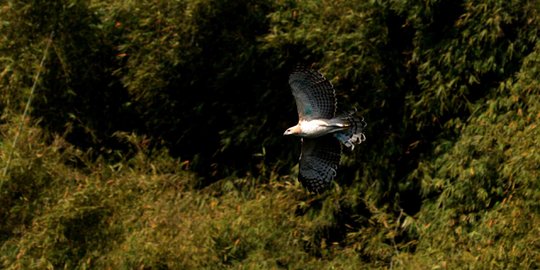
(154, 135)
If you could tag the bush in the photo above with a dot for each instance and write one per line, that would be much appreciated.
(155, 134)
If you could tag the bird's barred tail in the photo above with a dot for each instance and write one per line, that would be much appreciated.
(353, 135)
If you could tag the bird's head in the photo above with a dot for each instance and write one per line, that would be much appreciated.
(292, 130)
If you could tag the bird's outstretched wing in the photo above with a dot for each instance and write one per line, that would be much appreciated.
(314, 94)
(319, 161)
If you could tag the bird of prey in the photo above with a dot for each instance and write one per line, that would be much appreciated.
(322, 132)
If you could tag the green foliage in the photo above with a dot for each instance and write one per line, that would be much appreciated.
(487, 182)
(71, 212)
(155, 135)
(78, 89)
(193, 73)
(462, 49)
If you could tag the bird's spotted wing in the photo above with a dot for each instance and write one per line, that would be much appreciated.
(314, 94)
(319, 162)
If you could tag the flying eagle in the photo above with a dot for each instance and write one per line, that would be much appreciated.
(321, 131)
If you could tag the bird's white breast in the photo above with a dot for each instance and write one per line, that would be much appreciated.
(316, 128)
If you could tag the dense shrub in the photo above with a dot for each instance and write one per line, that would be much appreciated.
(154, 136)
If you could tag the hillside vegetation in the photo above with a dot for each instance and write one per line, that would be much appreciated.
(153, 136)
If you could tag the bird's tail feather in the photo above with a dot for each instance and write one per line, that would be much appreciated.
(353, 134)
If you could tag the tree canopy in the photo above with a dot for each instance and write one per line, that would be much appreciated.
(154, 134)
